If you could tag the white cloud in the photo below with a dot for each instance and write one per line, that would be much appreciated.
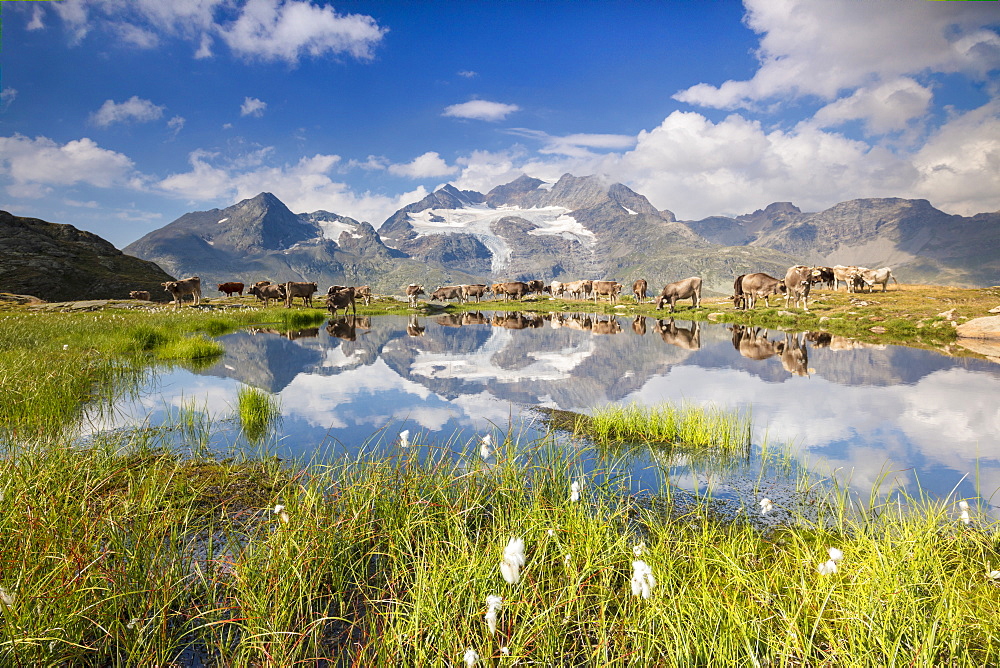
(288, 30)
(133, 109)
(304, 186)
(429, 164)
(204, 48)
(822, 48)
(35, 164)
(136, 36)
(468, 74)
(7, 97)
(252, 107)
(884, 108)
(481, 110)
(575, 145)
(36, 22)
(176, 124)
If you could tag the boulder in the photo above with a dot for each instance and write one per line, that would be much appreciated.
(980, 328)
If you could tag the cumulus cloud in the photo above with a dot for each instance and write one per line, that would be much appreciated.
(424, 166)
(134, 110)
(575, 145)
(36, 22)
(176, 124)
(304, 186)
(823, 48)
(481, 110)
(33, 165)
(252, 107)
(289, 30)
(284, 30)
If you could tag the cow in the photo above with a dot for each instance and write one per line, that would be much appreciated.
(188, 286)
(365, 293)
(873, 277)
(295, 289)
(688, 339)
(556, 288)
(338, 297)
(412, 292)
(261, 284)
(230, 288)
(849, 275)
(139, 294)
(823, 275)
(536, 286)
(797, 283)
(267, 292)
(689, 288)
(447, 292)
(609, 288)
(639, 325)
(579, 288)
(513, 289)
(477, 290)
(749, 288)
(639, 288)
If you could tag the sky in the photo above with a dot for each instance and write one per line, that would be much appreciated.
(118, 116)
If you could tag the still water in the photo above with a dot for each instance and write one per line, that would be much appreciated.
(876, 416)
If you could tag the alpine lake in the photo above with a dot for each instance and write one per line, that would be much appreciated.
(874, 418)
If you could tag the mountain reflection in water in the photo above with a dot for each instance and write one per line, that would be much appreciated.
(870, 409)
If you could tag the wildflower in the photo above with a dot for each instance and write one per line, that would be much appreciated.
(505, 651)
(574, 491)
(493, 603)
(484, 447)
(551, 533)
(964, 505)
(279, 510)
(642, 579)
(566, 560)
(471, 658)
(829, 567)
(65, 346)
(992, 575)
(404, 438)
(766, 506)
(513, 560)
(835, 554)
(5, 598)
(639, 550)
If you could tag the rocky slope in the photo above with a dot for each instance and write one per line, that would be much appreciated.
(57, 262)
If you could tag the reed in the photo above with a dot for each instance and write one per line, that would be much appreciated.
(258, 412)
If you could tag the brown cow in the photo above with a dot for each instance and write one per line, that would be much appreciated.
(689, 288)
(751, 287)
(849, 275)
(688, 339)
(413, 291)
(188, 286)
(609, 288)
(797, 283)
(444, 293)
(511, 290)
(872, 277)
(639, 288)
(139, 294)
(557, 288)
(579, 288)
(365, 293)
(340, 298)
(295, 289)
(267, 292)
(477, 290)
(536, 286)
(230, 288)
(823, 275)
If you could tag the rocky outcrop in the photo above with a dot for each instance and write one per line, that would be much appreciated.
(980, 328)
(57, 262)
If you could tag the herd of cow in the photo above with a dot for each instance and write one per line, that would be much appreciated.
(747, 289)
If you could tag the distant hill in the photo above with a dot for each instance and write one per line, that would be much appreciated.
(57, 262)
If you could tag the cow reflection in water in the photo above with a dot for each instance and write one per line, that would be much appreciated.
(291, 335)
(346, 327)
(449, 320)
(682, 337)
(577, 321)
(517, 320)
(752, 343)
(639, 325)
(414, 328)
(474, 318)
(610, 326)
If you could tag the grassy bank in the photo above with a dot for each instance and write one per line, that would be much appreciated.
(126, 555)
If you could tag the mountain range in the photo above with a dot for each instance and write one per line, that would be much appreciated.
(573, 228)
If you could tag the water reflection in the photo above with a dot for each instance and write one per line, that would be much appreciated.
(868, 409)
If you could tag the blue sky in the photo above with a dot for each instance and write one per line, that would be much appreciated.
(118, 116)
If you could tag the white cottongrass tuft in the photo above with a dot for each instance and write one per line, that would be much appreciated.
(639, 549)
(551, 533)
(964, 516)
(642, 579)
(493, 604)
(471, 658)
(484, 446)
(766, 506)
(835, 554)
(574, 491)
(279, 510)
(6, 598)
(829, 567)
(992, 575)
(505, 651)
(566, 560)
(513, 560)
(65, 346)
(404, 438)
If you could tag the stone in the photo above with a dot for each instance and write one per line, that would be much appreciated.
(715, 317)
(981, 328)
(995, 309)
(947, 315)
(878, 329)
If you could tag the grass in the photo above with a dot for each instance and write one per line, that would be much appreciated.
(258, 411)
